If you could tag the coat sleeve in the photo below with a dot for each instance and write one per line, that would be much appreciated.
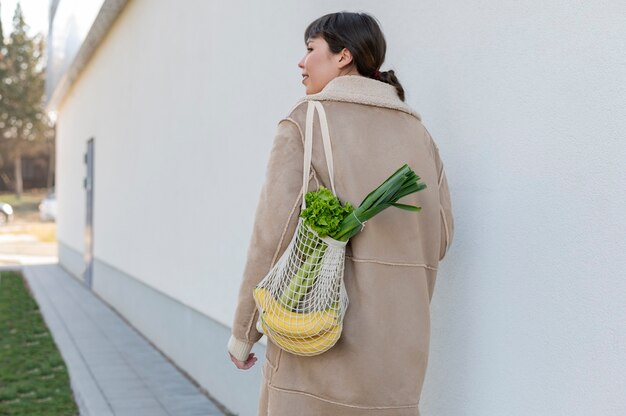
(275, 221)
(445, 203)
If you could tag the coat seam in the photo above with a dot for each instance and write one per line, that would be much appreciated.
(302, 140)
(391, 263)
(315, 396)
(445, 226)
(252, 320)
(269, 363)
(440, 180)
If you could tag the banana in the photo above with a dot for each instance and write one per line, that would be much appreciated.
(293, 324)
(306, 346)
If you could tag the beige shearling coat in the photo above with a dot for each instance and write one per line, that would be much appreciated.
(378, 365)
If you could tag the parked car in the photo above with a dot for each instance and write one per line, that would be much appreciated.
(6, 213)
(48, 207)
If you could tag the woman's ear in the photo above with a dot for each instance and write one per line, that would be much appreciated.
(345, 58)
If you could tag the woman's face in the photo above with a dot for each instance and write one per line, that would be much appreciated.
(319, 65)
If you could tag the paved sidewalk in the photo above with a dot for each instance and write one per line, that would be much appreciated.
(113, 369)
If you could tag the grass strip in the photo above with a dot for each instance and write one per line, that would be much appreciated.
(33, 376)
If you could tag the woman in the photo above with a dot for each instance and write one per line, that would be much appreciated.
(377, 367)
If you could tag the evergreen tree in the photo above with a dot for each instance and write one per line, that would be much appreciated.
(3, 77)
(3, 66)
(22, 109)
(1, 35)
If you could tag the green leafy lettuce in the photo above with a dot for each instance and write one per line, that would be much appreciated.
(324, 212)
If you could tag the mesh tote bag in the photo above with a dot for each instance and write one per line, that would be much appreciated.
(303, 299)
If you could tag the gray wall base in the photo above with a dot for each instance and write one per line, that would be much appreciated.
(194, 342)
(71, 260)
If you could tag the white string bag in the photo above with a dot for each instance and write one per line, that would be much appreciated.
(303, 299)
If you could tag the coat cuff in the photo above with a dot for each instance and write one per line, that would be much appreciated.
(239, 349)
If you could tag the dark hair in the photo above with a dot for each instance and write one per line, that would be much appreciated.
(359, 33)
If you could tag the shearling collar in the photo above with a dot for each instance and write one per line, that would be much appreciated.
(361, 90)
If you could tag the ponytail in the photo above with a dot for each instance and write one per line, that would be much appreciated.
(389, 77)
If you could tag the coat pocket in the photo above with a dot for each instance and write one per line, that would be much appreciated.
(272, 353)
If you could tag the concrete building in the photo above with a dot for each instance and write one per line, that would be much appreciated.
(525, 100)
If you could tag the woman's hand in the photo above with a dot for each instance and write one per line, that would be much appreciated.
(244, 365)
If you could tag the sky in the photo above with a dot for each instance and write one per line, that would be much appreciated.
(35, 15)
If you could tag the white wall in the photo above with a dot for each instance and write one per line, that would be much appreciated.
(526, 102)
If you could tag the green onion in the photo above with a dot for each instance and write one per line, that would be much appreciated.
(402, 183)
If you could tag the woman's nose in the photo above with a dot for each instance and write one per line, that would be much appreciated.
(301, 63)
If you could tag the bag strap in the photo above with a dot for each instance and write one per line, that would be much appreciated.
(308, 147)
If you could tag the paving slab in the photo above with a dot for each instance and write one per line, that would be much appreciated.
(113, 369)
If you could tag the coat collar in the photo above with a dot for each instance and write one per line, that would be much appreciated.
(361, 90)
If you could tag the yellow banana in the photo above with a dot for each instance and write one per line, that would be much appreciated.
(306, 346)
(293, 324)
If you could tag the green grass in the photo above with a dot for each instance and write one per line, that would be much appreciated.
(33, 375)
